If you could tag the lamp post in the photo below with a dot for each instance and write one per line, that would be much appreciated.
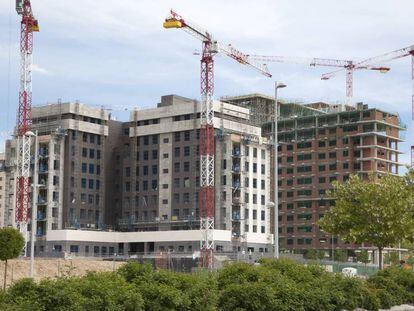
(276, 175)
(34, 202)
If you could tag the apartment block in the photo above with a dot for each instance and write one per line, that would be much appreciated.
(110, 187)
(158, 172)
(318, 144)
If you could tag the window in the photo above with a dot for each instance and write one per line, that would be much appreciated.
(145, 170)
(246, 151)
(321, 156)
(166, 140)
(254, 198)
(302, 169)
(84, 167)
(84, 152)
(145, 155)
(263, 184)
(332, 143)
(263, 169)
(97, 184)
(304, 181)
(98, 170)
(177, 136)
(186, 151)
(304, 156)
(146, 140)
(304, 144)
(332, 155)
(322, 180)
(127, 171)
(164, 186)
(332, 178)
(165, 155)
(91, 183)
(91, 153)
(321, 168)
(254, 167)
(155, 169)
(254, 183)
(288, 159)
(177, 182)
(254, 152)
(321, 143)
(154, 184)
(83, 182)
(332, 167)
(254, 214)
(263, 151)
(345, 153)
(289, 170)
(187, 135)
(186, 197)
(154, 154)
(145, 185)
(186, 166)
(176, 151)
(154, 139)
(74, 248)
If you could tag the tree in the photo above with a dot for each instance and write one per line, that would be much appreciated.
(11, 245)
(363, 257)
(377, 211)
(341, 255)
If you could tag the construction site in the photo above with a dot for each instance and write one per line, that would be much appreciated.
(191, 183)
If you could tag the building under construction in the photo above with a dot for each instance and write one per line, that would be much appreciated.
(110, 187)
(320, 143)
(115, 187)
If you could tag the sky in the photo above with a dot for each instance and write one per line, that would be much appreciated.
(117, 54)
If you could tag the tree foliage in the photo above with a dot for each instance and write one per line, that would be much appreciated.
(11, 245)
(377, 211)
(281, 285)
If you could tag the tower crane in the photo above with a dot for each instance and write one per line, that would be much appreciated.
(381, 59)
(28, 25)
(210, 47)
(407, 51)
(348, 65)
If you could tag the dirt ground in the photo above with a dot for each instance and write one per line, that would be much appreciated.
(52, 268)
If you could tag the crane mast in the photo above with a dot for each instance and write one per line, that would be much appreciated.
(348, 65)
(28, 25)
(210, 48)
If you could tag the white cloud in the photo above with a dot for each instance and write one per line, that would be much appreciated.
(36, 68)
(116, 52)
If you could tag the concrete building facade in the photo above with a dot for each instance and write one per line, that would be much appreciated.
(97, 174)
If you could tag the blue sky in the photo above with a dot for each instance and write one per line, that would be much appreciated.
(117, 53)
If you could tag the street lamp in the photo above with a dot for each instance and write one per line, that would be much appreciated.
(34, 202)
(276, 175)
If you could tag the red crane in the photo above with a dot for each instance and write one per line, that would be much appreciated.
(24, 114)
(348, 65)
(210, 47)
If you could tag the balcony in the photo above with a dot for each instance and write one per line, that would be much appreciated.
(236, 153)
(236, 184)
(236, 169)
(41, 216)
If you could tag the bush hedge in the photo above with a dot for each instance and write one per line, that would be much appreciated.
(273, 285)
